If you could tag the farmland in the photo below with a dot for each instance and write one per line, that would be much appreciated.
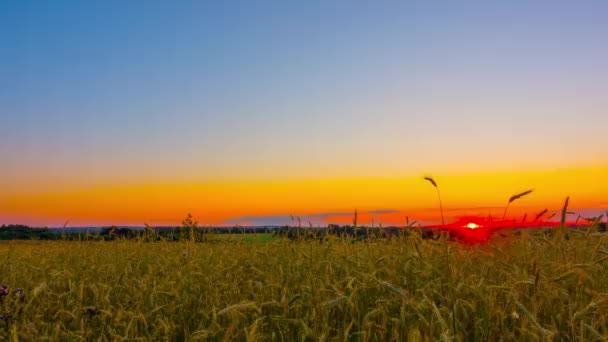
(531, 285)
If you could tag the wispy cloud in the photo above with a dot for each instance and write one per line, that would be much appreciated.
(383, 211)
(384, 216)
(316, 218)
(263, 220)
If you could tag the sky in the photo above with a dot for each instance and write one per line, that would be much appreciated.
(241, 112)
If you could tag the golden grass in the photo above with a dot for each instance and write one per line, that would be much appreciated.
(530, 287)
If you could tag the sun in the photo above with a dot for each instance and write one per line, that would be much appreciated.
(472, 225)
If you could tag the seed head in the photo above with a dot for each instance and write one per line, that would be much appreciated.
(430, 179)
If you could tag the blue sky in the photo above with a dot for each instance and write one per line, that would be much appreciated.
(115, 79)
(125, 92)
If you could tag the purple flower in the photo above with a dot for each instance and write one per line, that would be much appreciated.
(4, 291)
(7, 316)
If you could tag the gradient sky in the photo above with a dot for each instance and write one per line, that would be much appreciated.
(120, 112)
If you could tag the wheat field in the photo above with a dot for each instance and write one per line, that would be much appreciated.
(528, 286)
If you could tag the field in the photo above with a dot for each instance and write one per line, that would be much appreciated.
(247, 238)
(532, 286)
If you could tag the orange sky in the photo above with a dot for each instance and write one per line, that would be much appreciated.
(221, 202)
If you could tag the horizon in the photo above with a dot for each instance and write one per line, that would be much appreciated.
(121, 114)
(163, 200)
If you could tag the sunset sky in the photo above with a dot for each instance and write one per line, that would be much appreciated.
(247, 112)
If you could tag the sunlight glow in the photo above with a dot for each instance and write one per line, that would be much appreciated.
(472, 225)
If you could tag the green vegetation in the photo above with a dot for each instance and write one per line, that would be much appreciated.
(21, 232)
(187, 232)
(529, 285)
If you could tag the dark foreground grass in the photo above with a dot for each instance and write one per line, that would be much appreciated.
(528, 287)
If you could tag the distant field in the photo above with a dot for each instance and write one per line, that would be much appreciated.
(249, 238)
(528, 287)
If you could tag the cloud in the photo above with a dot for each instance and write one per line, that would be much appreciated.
(336, 213)
(469, 208)
(263, 220)
(384, 216)
(383, 211)
(587, 212)
(316, 219)
(285, 219)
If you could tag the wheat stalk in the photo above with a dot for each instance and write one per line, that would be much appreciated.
(432, 181)
(539, 215)
(562, 222)
(514, 198)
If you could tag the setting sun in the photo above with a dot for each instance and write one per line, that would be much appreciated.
(472, 225)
